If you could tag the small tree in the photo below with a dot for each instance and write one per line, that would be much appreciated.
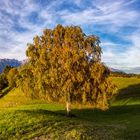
(7, 69)
(11, 76)
(65, 66)
(25, 81)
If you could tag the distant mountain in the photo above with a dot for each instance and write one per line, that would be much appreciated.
(9, 62)
(116, 70)
(16, 63)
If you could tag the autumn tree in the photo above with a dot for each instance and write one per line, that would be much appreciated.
(7, 69)
(11, 77)
(65, 66)
(25, 81)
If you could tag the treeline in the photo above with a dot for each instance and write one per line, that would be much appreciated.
(123, 74)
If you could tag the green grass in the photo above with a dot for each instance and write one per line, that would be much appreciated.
(23, 118)
(128, 91)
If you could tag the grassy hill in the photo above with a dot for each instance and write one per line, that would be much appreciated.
(23, 118)
(128, 91)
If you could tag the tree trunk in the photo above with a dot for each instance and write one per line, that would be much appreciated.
(68, 107)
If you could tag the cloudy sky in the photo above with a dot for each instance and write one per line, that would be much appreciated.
(116, 22)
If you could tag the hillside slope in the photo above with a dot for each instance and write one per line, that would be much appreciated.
(128, 90)
(23, 118)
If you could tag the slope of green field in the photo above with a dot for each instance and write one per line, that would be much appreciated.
(23, 118)
(128, 91)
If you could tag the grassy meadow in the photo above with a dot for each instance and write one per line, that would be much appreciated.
(22, 118)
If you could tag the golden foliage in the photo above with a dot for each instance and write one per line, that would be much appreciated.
(65, 66)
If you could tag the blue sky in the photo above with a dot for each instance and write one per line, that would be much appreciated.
(116, 22)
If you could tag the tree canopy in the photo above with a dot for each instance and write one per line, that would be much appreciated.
(3, 77)
(65, 66)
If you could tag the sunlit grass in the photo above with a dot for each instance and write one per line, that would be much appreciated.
(23, 118)
(128, 91)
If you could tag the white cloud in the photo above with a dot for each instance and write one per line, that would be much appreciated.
(111, 15)
(129, 59)
(12, 42)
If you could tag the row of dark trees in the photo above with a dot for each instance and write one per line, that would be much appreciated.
(123, 74)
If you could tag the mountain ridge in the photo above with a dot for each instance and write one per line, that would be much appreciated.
(10, 62)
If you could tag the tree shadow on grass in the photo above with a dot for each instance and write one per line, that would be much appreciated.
(132, 91)
(94, 115)
(5, 92)
(119, 122)
(104, 124)
(42, 112)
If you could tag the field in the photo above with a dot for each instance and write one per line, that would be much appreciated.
(23, 118)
